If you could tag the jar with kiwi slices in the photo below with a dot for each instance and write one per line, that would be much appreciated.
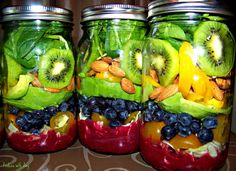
(108, 75)
(38, 96)
(188, 63)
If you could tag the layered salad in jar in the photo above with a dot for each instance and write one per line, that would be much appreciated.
(38, 99)
(187, 90)
(109, 86)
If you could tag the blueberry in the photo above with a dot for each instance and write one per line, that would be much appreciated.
(38, 123)
(123, 115)
(115, 123)
(71, 101)
(35, 131)
(64, 107)
(101, 102)
(51, 110)
(170, 118)
(152, 105)
(92, 101)
(119, 105)
(26, 127)
(168, 132)
(86, 111)
(205, 135)
(195, 126)
(13, 110)
(108, 102)
(209, 122)
(29, 117)
(132, 106)
(46, 118)
(184, 131)
(20, 121)
(38, 114)
(140, 106)
(185, 119)
(110, 113)
(159, 115)
(96, 109)
(83, 99)
(147, 116)
(81, 103)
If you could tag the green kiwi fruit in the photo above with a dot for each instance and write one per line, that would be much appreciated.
(56, 68)
(131, 60)
(13, 71)
(164, 59)
(215, 46)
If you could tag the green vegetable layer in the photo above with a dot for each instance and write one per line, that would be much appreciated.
(97, 87)
(38, 99)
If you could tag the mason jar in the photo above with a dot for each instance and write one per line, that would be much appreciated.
(2, 131)
(188, 73)
(108, 75)
(38, 98)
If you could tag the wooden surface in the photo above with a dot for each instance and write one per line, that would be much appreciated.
(79, 158)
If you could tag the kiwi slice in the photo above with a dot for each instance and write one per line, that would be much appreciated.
(131, 60)
(215, 46)
(164, 59)
(56, 68)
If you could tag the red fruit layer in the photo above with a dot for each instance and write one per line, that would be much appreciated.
(2, 137)
(118, 140)
(45, 142)
(162, 157)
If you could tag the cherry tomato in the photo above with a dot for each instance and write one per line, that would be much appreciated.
(179, 142)
(152, 130)
(62, 121)
(101, 118)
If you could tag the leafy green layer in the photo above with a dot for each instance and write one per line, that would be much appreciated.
(178, 104)
(98, 87)
(38, 99)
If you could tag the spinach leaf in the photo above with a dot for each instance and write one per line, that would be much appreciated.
(43, 46)
(20, 43)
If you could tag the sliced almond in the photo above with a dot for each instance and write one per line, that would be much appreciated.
(217, 92)
(155, 93)
(153, 74)
(168, 92)
(127, 86)
(116, 71)
(107, 59)
(223, 83)
(116, 60)
(99, 66)
(78, 82)
(71, 86)
(91, 73)
(53, 90)
(36, 82)
(115, 63)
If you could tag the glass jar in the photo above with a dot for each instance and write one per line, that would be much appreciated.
(2, 131)
(39, 104)
(188, 63)
(109, 77)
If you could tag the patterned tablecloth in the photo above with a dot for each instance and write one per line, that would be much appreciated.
(79, 158)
